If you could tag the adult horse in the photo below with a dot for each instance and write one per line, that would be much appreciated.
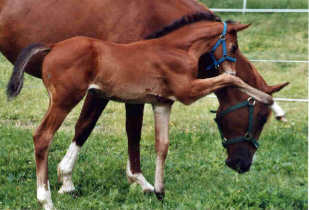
(26, 22)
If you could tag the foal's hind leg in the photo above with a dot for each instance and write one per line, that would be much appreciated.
(134, 121)
(42, 140)
(91, 111)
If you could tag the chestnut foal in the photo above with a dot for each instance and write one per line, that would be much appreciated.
(158, 71)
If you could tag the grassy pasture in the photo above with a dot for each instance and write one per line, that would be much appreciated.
(196, 176)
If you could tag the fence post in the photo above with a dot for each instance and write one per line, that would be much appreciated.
(244, 7)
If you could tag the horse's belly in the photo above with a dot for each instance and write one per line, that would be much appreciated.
(130, 96)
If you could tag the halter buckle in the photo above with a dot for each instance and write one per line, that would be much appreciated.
(222, 37)
(224, 139)
(248, 136)
(251, 101)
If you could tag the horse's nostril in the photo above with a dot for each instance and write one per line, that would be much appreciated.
(228, 162)
(244, 166)
(238, 164)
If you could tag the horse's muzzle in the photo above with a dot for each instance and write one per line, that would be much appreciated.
(239, 164)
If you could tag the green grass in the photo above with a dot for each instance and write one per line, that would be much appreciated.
(196, 176)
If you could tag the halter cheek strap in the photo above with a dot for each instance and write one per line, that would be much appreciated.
(216, 63)
(248, 137)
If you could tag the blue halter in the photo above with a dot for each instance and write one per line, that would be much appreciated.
(225, 57)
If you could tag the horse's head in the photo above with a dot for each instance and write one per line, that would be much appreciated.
(220, 41)
(223, 53)
(240, 118)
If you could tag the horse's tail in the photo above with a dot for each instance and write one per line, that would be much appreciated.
(24, 58)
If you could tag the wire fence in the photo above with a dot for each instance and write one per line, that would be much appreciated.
(303, 100)
(246, 10)
(280, 61)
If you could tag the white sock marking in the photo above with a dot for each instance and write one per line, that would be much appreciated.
(139, 179)
(159, 176)
(162, 115)
(65, 168)
(44, 196)
(277, 110)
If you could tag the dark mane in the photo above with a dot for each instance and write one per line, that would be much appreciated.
(230, 22)
(185, 20)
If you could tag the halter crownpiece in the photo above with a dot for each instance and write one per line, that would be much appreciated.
(216, 63)
(248, 137)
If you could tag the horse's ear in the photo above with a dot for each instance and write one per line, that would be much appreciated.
(275, 88)
(238, 27)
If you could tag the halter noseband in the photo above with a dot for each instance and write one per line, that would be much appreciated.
(216, 63)
(248, 137)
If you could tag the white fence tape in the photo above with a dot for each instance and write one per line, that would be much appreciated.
(279, 99)
(292, 100)
(279, 61)
(261, 10)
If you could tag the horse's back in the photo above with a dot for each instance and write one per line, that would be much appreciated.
(27, 22)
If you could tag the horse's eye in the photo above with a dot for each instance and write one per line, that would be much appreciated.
(234, 48)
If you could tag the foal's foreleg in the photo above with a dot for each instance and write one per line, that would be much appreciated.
(134, 121)
(162, 115)
(91, 111)
(203, 87)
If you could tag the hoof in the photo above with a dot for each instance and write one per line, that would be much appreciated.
(148, 189)
(75, 194)
(63, 190)
(130, 180)
(148, 193)
(67, 187)
(160, 195)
